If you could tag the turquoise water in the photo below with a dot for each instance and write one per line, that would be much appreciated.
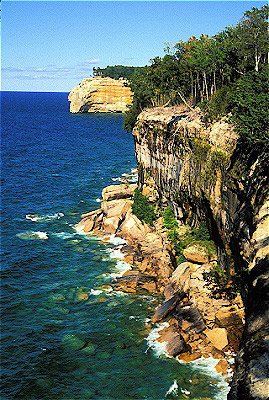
(64, 336)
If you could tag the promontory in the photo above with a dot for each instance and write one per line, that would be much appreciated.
(100, 95)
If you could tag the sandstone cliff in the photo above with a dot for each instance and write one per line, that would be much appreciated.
(204, 173)
(100, 95)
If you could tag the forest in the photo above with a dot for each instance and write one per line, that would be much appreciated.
(226, 74)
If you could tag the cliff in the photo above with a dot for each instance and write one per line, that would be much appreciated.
(100, 95)
(205, 174)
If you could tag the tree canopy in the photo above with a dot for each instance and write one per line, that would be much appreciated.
(116, 71)
(225, 73)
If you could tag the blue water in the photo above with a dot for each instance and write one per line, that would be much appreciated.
(64, 337)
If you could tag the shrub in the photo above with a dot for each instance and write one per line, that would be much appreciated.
(219, 282)
(142, 208)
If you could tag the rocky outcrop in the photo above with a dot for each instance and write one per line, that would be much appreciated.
(148, 249)
(204, 172)
(100, 95)
(189, 306)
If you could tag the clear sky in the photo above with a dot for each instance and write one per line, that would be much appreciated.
(52, 45)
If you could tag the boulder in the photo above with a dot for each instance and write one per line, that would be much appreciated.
(187, 357)
(132, 228)
(176, 345)
(92, 213)
(222, 366)
(218, 337)
(169, 291)
(110, 225)
(128, 281)
(114, 192)
(88, 225)
(82, 296)
(197, 254)
(115, 208)
(150, 286)
(180, 280)
(165, 309)
(88, 222)
(167, 333)
(192, 317)
(230, 318)
(233, 322)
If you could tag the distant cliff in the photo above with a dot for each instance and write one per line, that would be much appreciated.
(100, 95)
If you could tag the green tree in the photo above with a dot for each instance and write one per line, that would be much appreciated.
(253, 35)
(142, 208)
(249, 105)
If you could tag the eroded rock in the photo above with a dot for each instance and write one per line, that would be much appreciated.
(100, 95)
(218, 337)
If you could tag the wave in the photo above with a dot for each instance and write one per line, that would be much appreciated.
(120, 268)
(64, 235)
(31, 235)
(158, 348)
(44, 218)
(116, 240)
(207, 366)
(96, 292)
(174, 389)
(127, 177)
(204, 365)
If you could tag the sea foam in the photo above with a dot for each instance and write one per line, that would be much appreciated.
(31, 235)
(158, 348)
(45, 217)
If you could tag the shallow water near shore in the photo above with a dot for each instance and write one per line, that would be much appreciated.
(65, 336)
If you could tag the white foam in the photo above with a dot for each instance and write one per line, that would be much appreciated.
(44, 218)
(116, 240)
(98, 200)
(185, 391)
(121, 267)
(115, 253)
(33, 217)
(158, 347)
(79, 229)
(31, 235)
(63, 235)
(41, 235)
(207, 366)
(173, 389)
(117, 293)
(96, 292)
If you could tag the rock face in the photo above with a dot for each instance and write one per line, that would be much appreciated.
(203, 172)
(100, 95)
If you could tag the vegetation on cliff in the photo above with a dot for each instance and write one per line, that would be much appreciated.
(116, 71)
(223, 74)
(142, 208)
(192, 236)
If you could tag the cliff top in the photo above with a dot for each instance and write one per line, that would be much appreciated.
(188, 122)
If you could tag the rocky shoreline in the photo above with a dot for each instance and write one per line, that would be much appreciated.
(199, 324)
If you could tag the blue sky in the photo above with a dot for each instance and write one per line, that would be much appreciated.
(52, 45)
